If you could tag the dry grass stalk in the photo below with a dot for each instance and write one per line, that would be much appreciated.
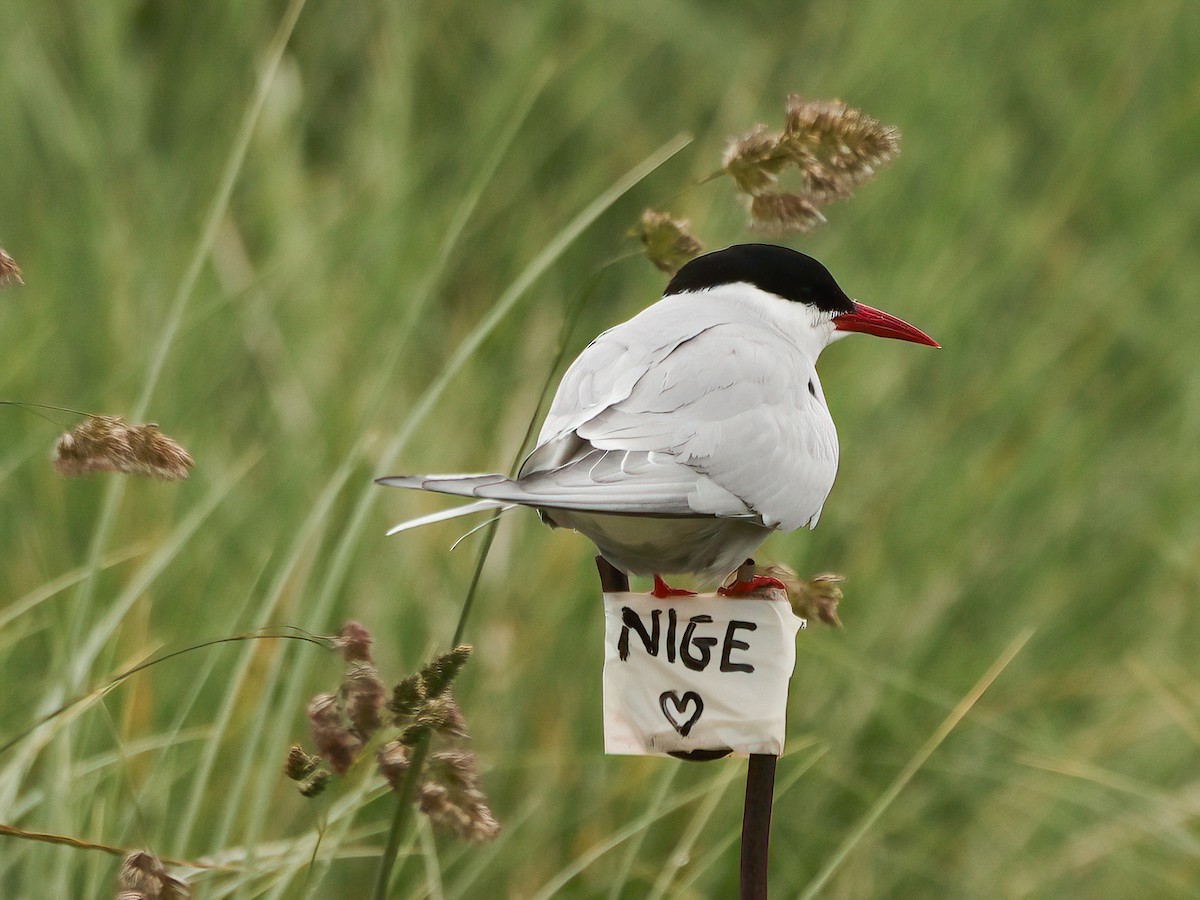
(110, 444)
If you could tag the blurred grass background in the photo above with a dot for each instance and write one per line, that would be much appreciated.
(409, 164)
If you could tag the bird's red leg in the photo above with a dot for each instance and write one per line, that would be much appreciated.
(662, 591)
(750, 585)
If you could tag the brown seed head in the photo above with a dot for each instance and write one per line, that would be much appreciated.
(315, 783)
(668, 241)
(97, 444)
(363, 696)
(408, 697)
(332, 733)
(755, 160)
(467, 815)
(833, 146)
(392, 762)
(354, 643)
(443, 716)
(455, 770)
(846, 140)
(109, 444)
(10, 272)
(143, 876)
(434, 801)
(440, 674)
(818, 597)
(157, 455)
(781, 213)
(299, 764)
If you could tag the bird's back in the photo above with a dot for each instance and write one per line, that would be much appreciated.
(711, 383)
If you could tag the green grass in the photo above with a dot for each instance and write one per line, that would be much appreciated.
(371, 272)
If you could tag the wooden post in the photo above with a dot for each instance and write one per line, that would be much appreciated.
(756, 814)
(760, 773)
(612, 579)
(756, 825)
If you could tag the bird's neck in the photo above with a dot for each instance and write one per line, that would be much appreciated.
(803, 325)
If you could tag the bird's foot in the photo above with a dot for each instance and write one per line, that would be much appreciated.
(750, 585)
(662, 591)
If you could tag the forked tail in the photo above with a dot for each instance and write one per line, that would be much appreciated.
(460, 485)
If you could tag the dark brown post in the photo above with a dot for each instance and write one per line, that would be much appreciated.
(612, 579)
(756, 825)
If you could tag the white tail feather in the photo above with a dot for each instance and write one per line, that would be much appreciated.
(481, 525)
(445, 514)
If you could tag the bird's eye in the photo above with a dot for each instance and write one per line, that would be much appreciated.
(812, 388)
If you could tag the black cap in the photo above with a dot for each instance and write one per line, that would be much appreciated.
(777, 270)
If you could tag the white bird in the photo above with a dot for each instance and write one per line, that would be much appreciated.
(680, 439)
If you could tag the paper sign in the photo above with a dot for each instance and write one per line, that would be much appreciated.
(696, 673)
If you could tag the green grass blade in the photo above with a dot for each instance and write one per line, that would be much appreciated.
(881, 804)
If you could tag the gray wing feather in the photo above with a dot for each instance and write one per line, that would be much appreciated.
(596, 481)
(722, 395)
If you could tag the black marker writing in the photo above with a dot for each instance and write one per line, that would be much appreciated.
(696, 663)
(694, 651)
(630, 619)
(732, 643)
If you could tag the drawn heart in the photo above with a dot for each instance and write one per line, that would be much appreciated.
(676, 715)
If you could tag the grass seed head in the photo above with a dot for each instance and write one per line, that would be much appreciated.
(453, 799)
(143, 877)
(755, 160)
(834, 148)
(442, 716)
(10, 272)
(455, 769)
(315, 783)
(408, 696)
(392, 760)
(157, 455)
(332, 733)
(299, 764)
(466, 814)
(440, 674)
(363, 697)
(668, 241)
(354, 643)
(110, 444)
(783, 213)
(818, 597)
(844, 138)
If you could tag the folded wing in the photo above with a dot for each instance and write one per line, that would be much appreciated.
(709, 390)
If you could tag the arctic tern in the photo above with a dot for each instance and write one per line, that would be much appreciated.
(680, 439)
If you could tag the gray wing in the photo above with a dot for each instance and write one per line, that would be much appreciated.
(714, 401)
(605, 481)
